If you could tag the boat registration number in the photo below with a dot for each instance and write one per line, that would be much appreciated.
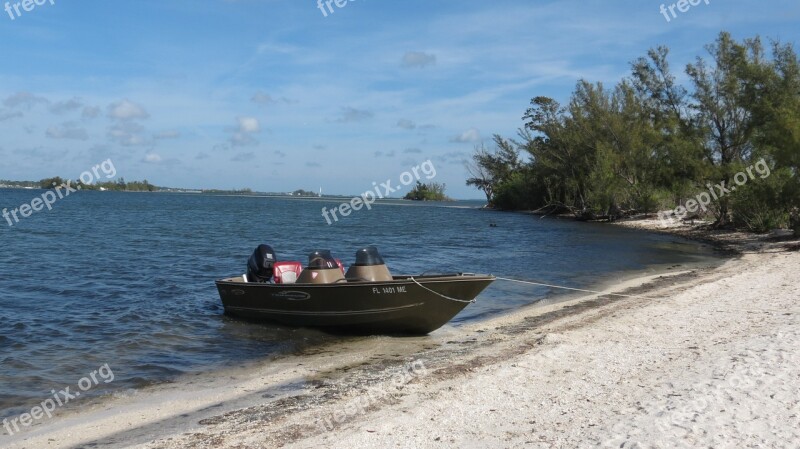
(388, 290)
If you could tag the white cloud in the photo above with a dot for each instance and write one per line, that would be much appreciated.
(243, 134)
(240, 139)
(127, 133)
(470, 135)
(152, 158)
(249, 125)
(126, 110)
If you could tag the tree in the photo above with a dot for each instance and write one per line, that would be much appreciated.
(650, 143)
(427, 192)
(723, 117)
(491, 168)
(51, 183)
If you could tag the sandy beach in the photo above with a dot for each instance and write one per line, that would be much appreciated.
(700, 358)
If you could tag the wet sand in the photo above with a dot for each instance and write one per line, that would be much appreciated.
(707, 357)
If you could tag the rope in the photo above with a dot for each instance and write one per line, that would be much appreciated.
(443, 296)
(573, 289)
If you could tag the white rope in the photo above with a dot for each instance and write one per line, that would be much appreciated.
(443, 296)
(573, 289)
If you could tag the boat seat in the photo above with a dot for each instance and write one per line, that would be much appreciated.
(287, 272)
(322, 268)
(369, 266)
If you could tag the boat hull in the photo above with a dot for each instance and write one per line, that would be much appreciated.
(404, 305)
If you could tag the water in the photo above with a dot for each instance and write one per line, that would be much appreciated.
(127, 278)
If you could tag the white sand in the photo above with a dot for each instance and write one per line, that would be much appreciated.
(712, 364)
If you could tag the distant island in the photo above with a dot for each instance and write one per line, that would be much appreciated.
(119, 185)
(421, 192)
(427, 192)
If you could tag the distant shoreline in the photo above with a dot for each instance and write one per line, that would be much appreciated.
(255, 195)
(696, 230)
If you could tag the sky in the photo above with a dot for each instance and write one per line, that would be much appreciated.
(279, 95)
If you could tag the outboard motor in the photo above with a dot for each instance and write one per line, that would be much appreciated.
(259, 266)
(322, 269)
(369, 266)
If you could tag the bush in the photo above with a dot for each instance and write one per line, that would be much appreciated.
(427, 192)
(794, 221)
(757, 206)
(517, 193)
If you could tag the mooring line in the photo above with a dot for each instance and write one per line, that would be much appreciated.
(443, 296)
(574, 289)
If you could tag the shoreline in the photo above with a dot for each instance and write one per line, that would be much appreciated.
(271, 403)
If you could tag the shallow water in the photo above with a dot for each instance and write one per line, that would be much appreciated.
(127, 278)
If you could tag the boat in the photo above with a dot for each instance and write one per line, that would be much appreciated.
(365, 299)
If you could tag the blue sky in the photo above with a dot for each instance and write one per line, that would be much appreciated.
(275, 96)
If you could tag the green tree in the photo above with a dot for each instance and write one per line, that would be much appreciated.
(650, 143)
(51, 183)
(722, 116)
(488, 169)
(427, 192)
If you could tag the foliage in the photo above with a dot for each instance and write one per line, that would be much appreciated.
(120, 185)
(491, 168)
(650, 144)
(301, 192)
(51, 183)
(431, 191)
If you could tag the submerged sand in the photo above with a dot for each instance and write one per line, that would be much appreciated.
(704, 358)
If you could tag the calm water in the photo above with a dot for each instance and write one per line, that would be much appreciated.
(127, 278)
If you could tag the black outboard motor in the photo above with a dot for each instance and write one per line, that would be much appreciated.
(259, 267)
